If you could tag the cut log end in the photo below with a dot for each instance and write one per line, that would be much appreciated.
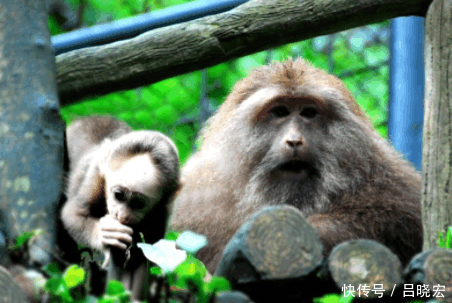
(438, 273)
(275, 243)
(282, 244)
(365, 262)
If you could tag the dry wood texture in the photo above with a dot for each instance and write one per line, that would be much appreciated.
(254, 26)
(437, 145)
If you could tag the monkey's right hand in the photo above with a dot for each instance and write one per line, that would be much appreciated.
(113, 233)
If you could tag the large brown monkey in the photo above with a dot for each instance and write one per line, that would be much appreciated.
(292, 134)
(119, 184)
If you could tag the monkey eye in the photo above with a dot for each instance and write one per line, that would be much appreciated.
(120, 195)
(137, 203)
(280, 111)
(309, 112)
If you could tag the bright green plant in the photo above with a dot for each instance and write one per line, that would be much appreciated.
(60, 285)
(445, 241)
(67, 287)
(188, 273)
(334, 298)
(24, 238)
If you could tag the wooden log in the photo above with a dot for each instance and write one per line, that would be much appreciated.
(272, 255)
(365, 262)
(432, 269)
(10, 292)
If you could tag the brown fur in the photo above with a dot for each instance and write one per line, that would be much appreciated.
(105, 155)
(356, 185)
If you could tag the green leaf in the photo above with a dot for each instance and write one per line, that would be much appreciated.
(52, 270)
(58, 288)
(53, 284)
(217, 284)
(441, 242)
(74, 276)
(191, 266)
(333, 298)
(124, 298)
(114, 288)
(448, 243)
(172, 235)
(25, 237)
(190, 275)
(155, 270)
(118, 298)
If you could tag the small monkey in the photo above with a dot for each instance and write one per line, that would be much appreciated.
(120, 183)
(292, 134)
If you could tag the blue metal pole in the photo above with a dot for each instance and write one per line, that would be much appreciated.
(406, 87)
(130, 27)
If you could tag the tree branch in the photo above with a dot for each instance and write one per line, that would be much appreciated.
(254, 26)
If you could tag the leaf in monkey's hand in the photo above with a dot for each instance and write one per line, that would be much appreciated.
(164, 254)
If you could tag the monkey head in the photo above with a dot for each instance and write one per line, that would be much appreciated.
(141, 168)
(296, 133)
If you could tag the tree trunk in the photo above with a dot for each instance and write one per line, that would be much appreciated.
(31, 132)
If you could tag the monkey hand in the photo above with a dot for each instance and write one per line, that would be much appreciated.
(113, 233)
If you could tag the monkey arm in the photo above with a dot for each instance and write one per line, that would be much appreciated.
(81, 226)
(84, 198)
(85, 216)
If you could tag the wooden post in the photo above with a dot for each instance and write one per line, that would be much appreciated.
(437, 138)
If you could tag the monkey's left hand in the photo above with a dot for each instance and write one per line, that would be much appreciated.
(112, 233)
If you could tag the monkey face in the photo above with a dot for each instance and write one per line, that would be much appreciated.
(295, 122)
(285, 134)
(127, 206)
(133, 189)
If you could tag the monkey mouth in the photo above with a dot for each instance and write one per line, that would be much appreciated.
(295, 166)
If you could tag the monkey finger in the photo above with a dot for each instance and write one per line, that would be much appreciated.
(115, 243)
(118, 227)
(117, 235)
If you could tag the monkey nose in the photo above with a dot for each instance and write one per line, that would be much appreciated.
(294, 143)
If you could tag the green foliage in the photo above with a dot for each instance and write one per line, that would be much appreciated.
(334, 298)
(172, 235)
(60, 285)
(24, 238)
(190, 275)
(445, 241)
(67, 287)
(115, 292)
